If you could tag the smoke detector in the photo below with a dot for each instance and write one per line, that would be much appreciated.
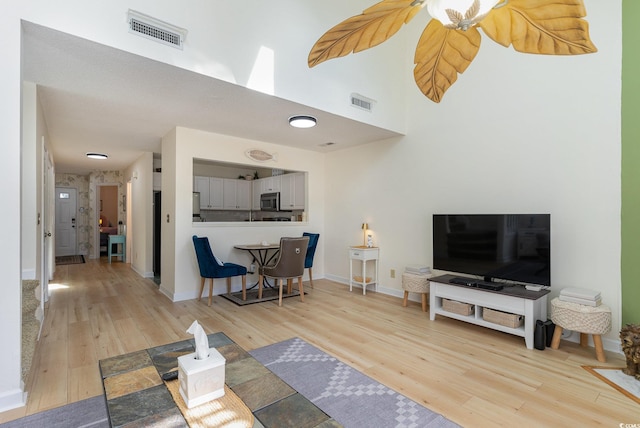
(154, 29)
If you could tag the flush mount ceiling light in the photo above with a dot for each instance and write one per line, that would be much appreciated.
(93, 155)
(451, 40)
(301, 121)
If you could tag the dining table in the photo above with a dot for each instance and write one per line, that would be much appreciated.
(263, 254)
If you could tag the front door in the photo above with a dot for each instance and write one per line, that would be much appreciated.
(65, 233)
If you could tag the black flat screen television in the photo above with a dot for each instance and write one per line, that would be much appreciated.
(510, 247)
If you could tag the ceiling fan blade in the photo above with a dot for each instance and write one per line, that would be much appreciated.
(549, 27)
(441, 55)
(375, 25)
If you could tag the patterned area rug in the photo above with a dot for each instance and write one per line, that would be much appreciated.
(69, 260)
(268, 294)
(89, 413)
(348, 396)
(613, 376)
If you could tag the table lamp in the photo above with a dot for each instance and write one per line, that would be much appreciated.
(365, 227)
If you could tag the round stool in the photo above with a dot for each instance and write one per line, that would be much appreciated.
(594, 320)
(415, 283)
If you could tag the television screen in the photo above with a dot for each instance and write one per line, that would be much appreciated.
(511, 247)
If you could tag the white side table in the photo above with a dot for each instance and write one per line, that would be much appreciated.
(363, 254)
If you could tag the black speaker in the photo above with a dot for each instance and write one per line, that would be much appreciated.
(549, 328)
(539, 336)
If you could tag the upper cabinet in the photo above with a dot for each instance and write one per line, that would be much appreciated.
(237, 194)
(292, 191)
(211, 192)
(271, 184)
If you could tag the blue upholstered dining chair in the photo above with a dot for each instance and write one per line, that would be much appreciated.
(311, 250)
(211, 267)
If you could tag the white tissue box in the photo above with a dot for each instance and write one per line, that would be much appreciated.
(201, 380)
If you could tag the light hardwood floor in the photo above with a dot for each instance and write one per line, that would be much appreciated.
(475, 376)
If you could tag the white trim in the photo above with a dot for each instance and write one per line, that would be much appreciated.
(13, 399)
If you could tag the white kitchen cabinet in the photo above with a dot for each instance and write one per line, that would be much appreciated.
(270, 184)
(236, 194)
(292, 191)
(257, 191)
(211, 192)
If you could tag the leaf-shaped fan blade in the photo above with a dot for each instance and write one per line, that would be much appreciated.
(375, 25)
(541, 27)
(440, 55)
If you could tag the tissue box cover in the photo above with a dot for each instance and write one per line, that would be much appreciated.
(201, 380)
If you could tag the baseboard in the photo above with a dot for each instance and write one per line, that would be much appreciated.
(13, 399)
(141, 273)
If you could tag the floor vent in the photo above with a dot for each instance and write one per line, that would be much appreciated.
(155, 29)
(361, 102)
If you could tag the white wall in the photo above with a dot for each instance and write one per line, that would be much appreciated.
(140, 232)
(516, 133)
(181, 280)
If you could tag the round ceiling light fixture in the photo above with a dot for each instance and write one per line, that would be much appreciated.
(94, 155)
(302, 121)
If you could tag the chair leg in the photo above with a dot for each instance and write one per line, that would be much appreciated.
(201, 288)
(597, 342)
(406, 297)
(424, 302)
(210, 291)
(584, 339)
(260, 282)
(289, 285)
(228, 285)
(310, 278)
(244, 287)
(280, 293)
(557, 334)
(301, 289)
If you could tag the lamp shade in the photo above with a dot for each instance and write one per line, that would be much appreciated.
(438, 9)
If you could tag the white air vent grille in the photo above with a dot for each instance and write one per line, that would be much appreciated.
(155, 29)
(362, 102)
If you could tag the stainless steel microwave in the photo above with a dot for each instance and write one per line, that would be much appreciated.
(270, 201)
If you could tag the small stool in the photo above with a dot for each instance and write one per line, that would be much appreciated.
(115, 240)
(415, 283)
(594, 320)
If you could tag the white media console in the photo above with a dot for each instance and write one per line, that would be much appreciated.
(514, 299)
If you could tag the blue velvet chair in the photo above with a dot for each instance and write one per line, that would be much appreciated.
(211, 267)
(311, 250)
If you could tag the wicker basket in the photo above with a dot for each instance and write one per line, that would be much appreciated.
(457, 307)
(357, 278)
(502, 318)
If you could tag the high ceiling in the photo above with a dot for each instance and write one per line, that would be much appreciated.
(100, 99)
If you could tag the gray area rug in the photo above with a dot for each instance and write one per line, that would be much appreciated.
(268, 294)
(89, 413)
(348, 396)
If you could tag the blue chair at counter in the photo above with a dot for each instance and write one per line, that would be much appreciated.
(211, 267)
(311, 250)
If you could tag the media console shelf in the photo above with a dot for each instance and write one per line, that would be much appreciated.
(512, 299)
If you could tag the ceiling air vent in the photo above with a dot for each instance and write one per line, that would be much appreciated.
(155, 29)
(361, 102)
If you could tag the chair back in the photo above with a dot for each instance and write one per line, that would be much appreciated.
(206, 260)
(311, 249)
(290, 263)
